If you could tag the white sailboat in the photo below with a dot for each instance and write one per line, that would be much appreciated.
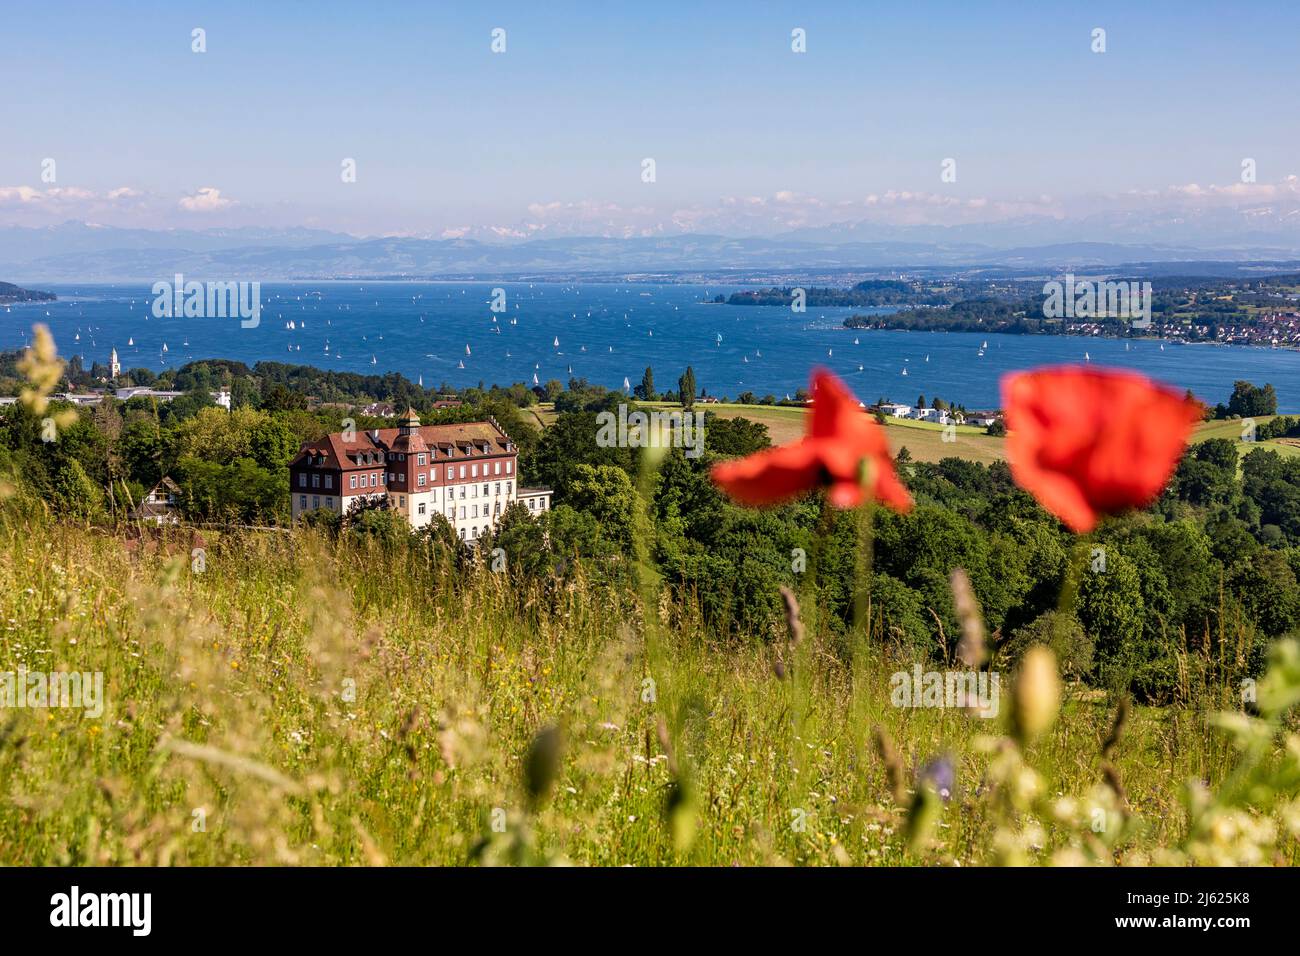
(556, 343)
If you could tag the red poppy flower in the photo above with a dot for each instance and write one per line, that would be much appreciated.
(842, 445)
(1088, 441)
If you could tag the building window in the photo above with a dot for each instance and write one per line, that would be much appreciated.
(497, 490)
(422, 460)
(420, 480)
(302, 479)
(420, 509)
(433, 474)
(315, 501)
(462, 512)
(329, 481)
(510, 467)
(496, 467)
(315, 481)
(462, 534)
(462, 492)
(473, 491)
(302, 501)
(510, 485)
(352, 481)
(329, 503)
(473, 471)
(485, 491)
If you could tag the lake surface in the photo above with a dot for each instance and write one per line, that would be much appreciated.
(606, 332)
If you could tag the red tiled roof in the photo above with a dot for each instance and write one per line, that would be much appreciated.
(466, 439)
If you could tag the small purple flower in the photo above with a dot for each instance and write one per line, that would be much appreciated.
(940, 775)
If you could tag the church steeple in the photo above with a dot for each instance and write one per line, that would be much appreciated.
(114, 366)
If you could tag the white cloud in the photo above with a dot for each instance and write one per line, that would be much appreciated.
(20, 194)
(207, 199)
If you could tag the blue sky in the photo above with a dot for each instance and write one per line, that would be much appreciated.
(747, 136)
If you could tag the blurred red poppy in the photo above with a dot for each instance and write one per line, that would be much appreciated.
(1088, 441)
(843, 450)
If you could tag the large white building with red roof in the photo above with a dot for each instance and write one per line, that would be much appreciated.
(468, 472)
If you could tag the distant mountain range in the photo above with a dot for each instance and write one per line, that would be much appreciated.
(77, 252)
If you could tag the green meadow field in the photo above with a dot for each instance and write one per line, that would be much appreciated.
(302, 701)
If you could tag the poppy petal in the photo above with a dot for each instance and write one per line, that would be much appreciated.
(771, 476)
(1091, 441)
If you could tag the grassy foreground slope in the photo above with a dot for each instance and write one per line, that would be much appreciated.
(294, 700)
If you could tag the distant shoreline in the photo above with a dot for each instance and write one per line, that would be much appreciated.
(1074, 335)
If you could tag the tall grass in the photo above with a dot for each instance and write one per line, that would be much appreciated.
(306, 701)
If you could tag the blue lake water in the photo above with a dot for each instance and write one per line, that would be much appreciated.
(606, 332)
